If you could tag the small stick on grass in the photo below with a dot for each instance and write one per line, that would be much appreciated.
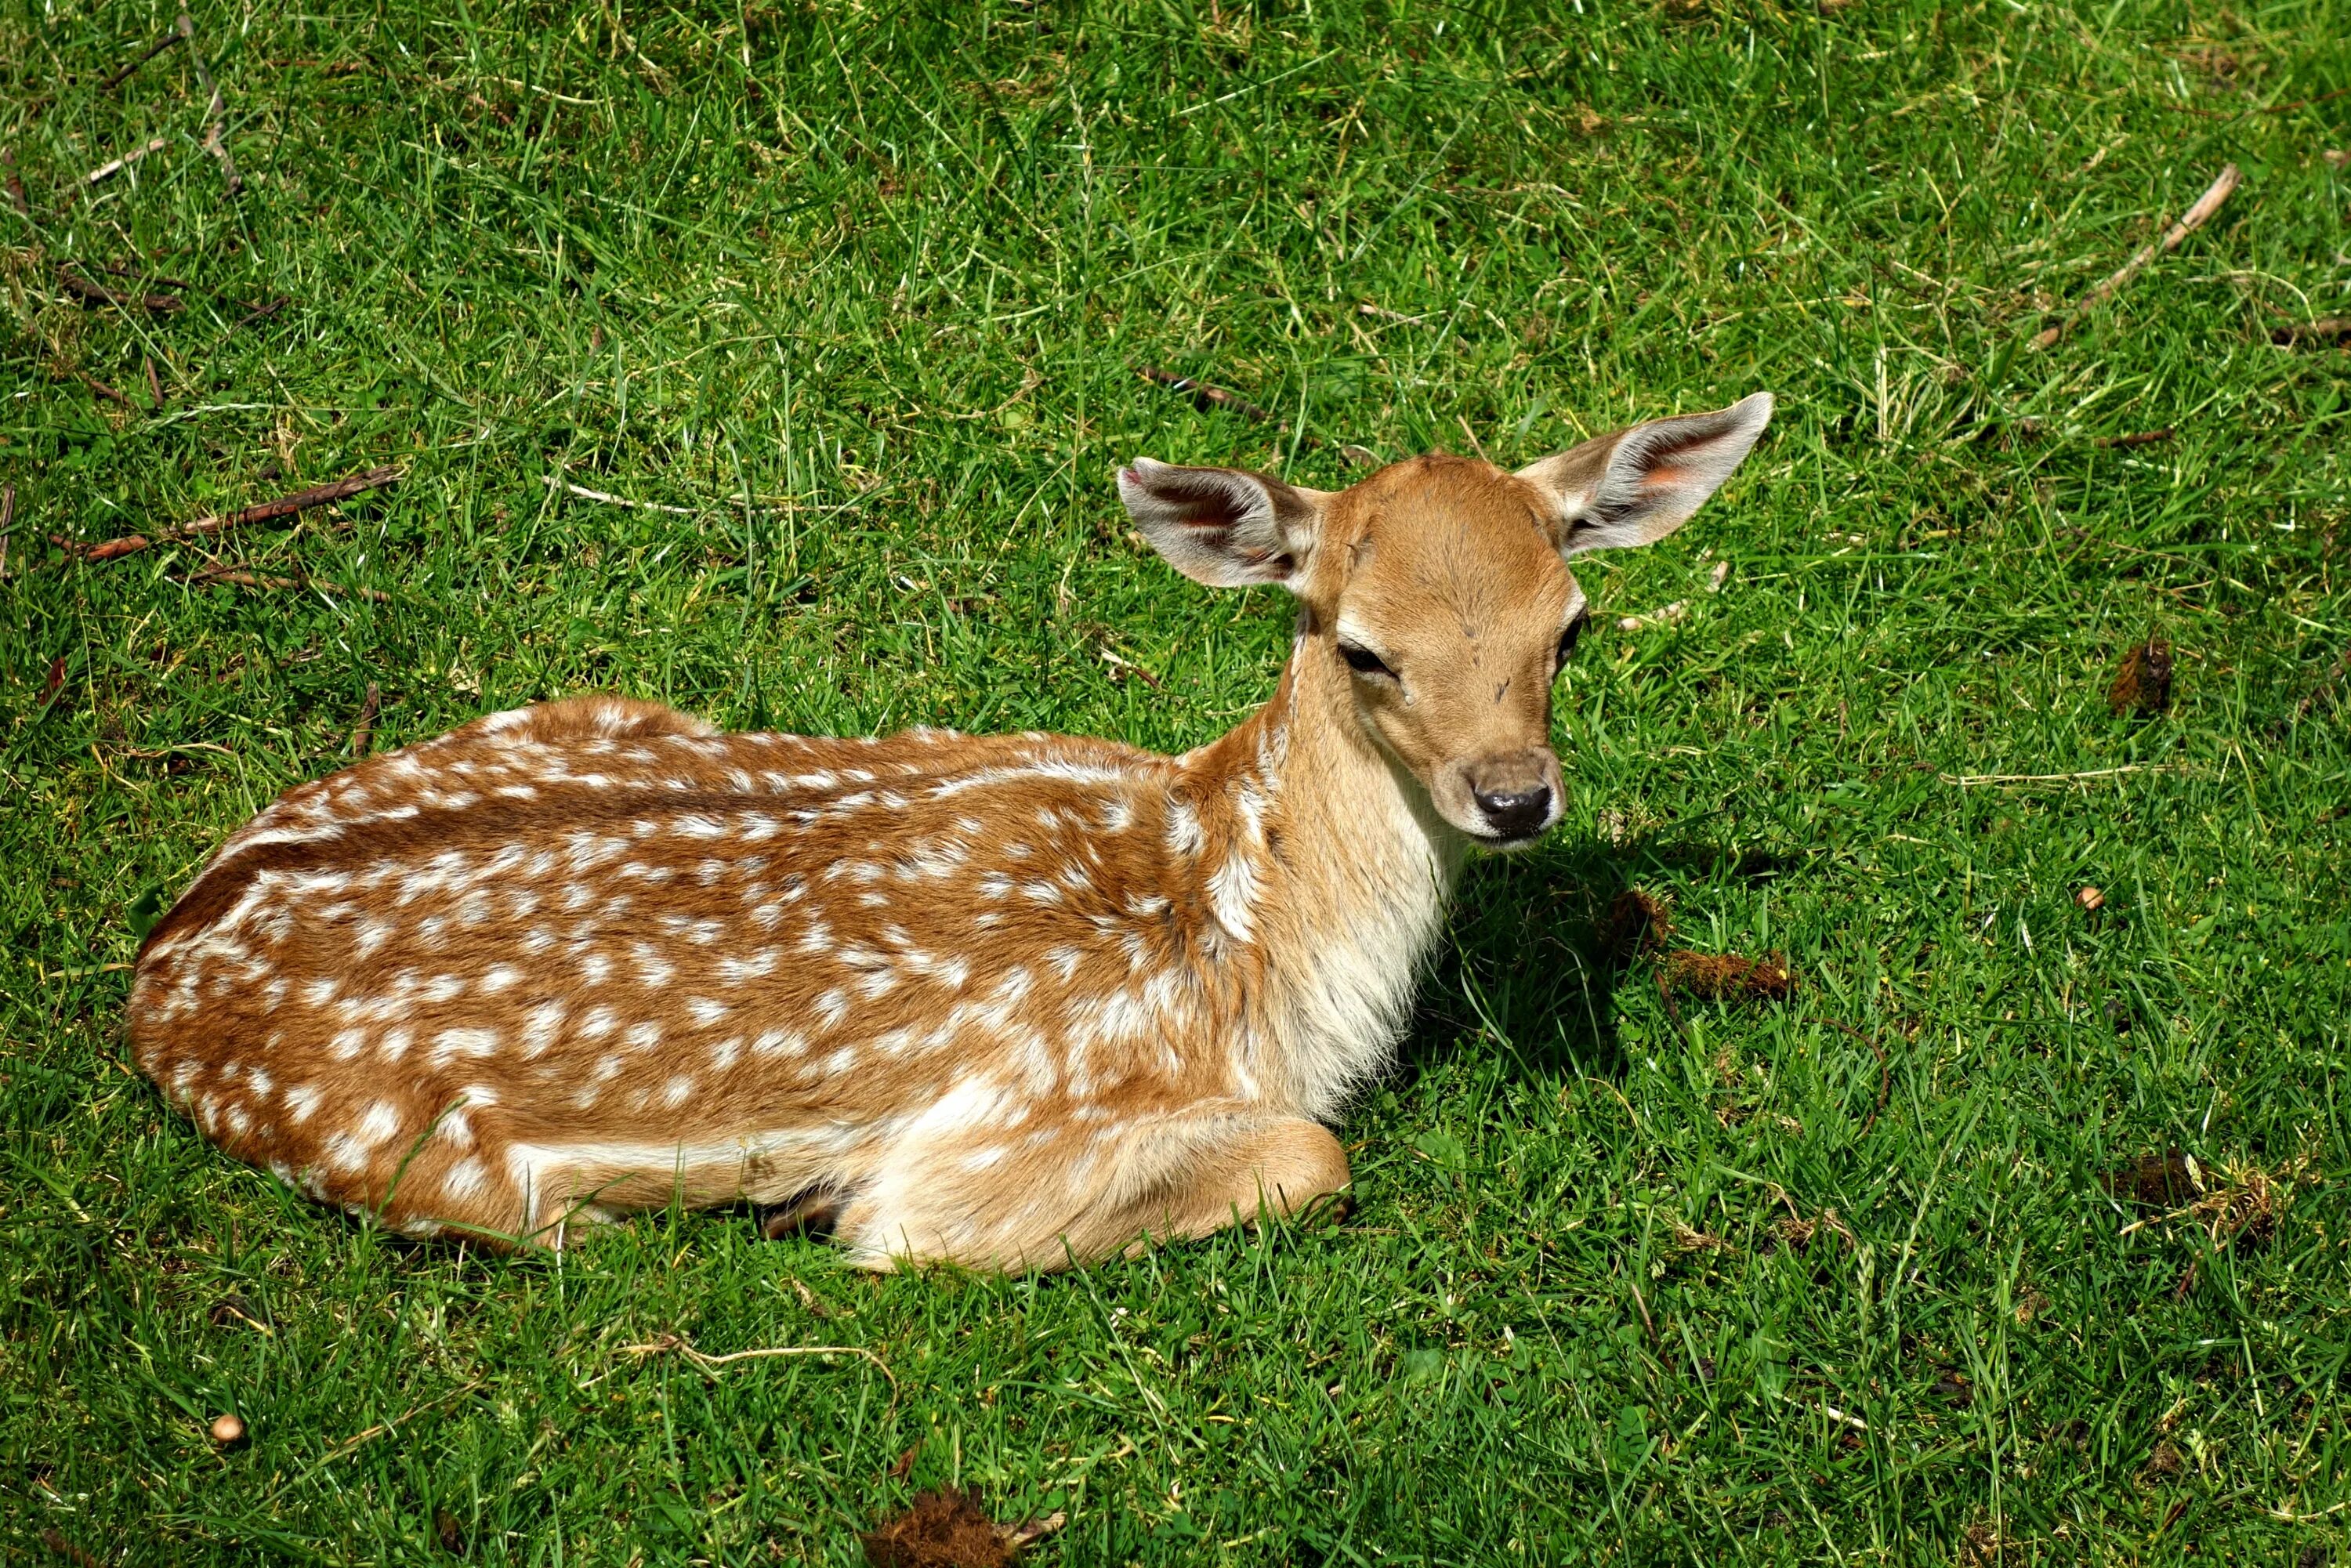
(261, 312)
(16, 186)
(1885, 1074)
(149, 53)
(117, 165)
(1971, 781)
(2143, 438)
(284, 506)
(350, 1445)
(710, 1364)
(55, 1542)
(1647, 1322)
(99, 294)
(585, 494)
(2194, 219)
(154, 386)
(2300, 709)
(1203, 395)
(240, 578)
(215, 142)
(102, 389)
(2325, 330)
(8, 525)
(363, 732)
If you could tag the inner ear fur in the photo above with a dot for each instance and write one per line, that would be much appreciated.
(1224, 526)
(1635, 485)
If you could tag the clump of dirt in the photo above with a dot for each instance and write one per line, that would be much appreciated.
(2243, 1208)
(1726, 977)
(2239, 1204)
(1983, 1546)
(950, 1529)
(1797, 1234)
(1637, 926)
(1687, 1239)
(2143, 681)
(2157, 1181)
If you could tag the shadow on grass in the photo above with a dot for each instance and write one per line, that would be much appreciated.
(1535, 959)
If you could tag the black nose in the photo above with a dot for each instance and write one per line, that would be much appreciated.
(1515, 813)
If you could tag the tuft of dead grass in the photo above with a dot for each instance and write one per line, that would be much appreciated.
(950, 1529)
(2238, 1203)
(1637, 926)
(1726, 977)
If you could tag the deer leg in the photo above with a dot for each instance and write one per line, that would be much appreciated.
(1184, 1175)
(1183, 1185)
(1274, 1175)
(815, 1212)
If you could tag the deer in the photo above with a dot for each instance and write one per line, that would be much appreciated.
(1012, 1002)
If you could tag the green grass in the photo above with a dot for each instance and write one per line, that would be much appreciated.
(863, 292)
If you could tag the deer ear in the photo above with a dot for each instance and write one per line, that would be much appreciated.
(1635, 485)
(1221, 526)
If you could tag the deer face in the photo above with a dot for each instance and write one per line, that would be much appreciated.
(1439, 590)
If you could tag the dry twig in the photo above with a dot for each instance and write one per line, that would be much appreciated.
(99, 294)
(16, 186)
(55, 1540)
(284, 506)
(585, 494)
(2309, 699)
(116, 165)
(352, 1443)
(2325, 330)
(2194, 219)
(261, 312)
(151, 50)
(216, 141)
(102, 389)
(1205, 397)
(2141, 438)
(8, 525)
(672, 1342)
(1968, 780)
(363, 732)
(240, 578)
(1884, 1076)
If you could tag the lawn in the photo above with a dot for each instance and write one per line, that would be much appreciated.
(853, 300)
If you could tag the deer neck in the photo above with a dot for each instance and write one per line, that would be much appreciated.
(1327, 871)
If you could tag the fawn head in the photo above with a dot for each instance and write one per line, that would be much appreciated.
(1441, 586)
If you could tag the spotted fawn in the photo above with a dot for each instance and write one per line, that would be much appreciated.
(1015, 1001)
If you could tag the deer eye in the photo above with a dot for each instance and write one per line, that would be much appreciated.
(1567, 640)
(1364, 662)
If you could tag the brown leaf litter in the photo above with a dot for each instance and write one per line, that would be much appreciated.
(2142, 681)
(950, 1529)
(1637, 926)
